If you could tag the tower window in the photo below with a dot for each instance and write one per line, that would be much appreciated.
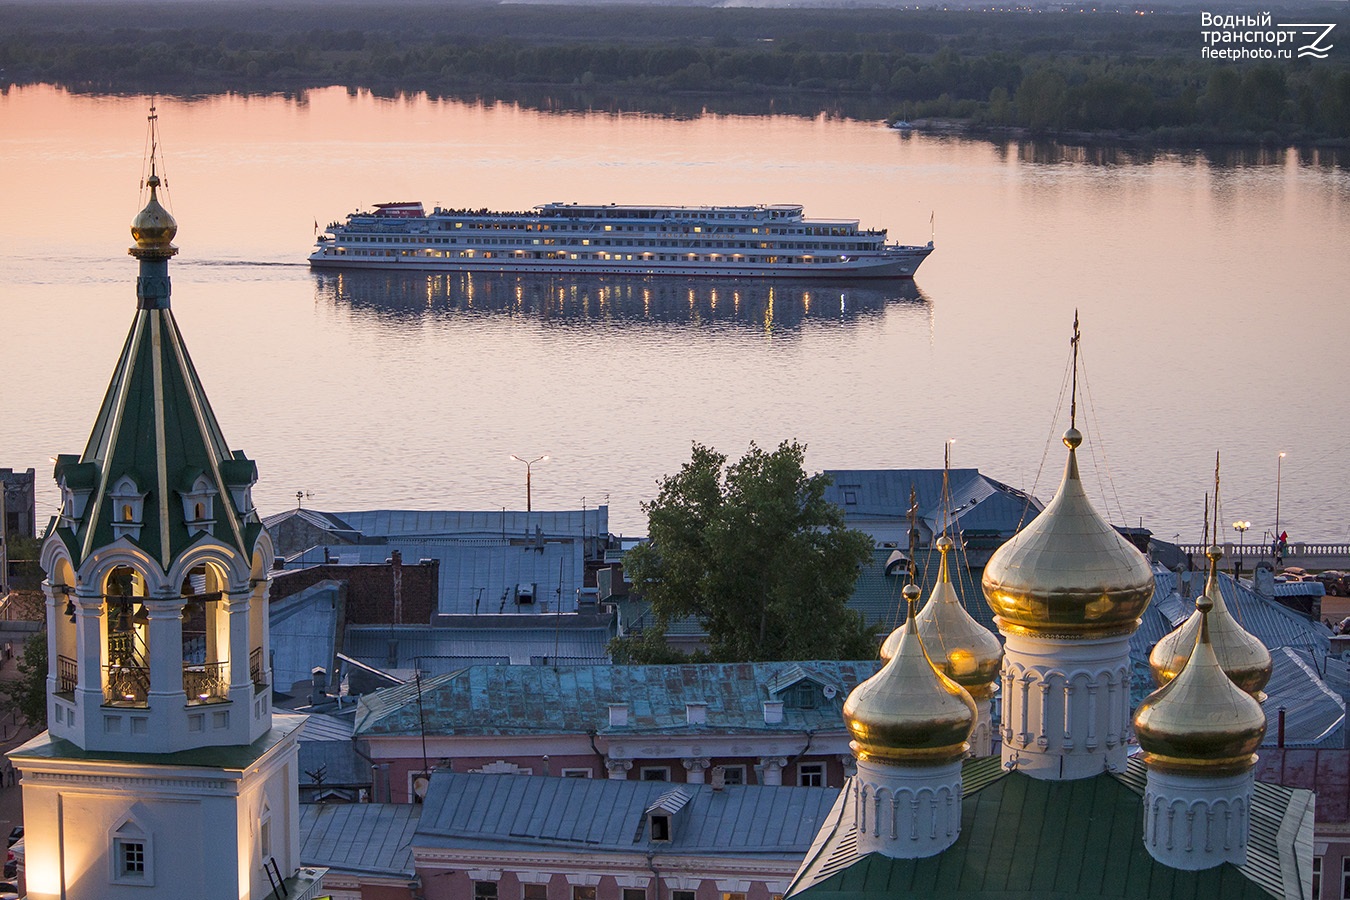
(127, 514)
(132, 857)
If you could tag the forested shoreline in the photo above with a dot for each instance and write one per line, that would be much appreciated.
(1104, 75)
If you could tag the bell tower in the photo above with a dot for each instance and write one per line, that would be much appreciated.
(162, 743)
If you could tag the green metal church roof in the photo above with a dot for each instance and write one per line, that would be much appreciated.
(1023, 838)
(156, 427)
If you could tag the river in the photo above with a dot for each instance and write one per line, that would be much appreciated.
(1211, 287)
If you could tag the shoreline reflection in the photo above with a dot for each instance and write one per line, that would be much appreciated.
(568, 299)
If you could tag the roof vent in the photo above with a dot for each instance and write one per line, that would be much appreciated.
(696, 713)
(618, 715)
(773, 712)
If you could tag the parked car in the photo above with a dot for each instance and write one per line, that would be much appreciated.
(15, 835)
(14, 859)
(1336, 583)
(9, 890)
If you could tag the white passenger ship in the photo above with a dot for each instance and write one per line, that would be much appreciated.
(765, 241)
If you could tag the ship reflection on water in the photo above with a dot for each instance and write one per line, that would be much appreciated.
(619, 299)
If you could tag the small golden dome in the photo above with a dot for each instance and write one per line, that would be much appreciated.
(153, 228)
(1200, 721)
(909, 713)
(1243, 657)
(1068, 572)
(967, 652)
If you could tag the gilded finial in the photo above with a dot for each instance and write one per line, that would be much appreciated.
(153, 228)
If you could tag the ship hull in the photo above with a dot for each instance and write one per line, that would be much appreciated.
(897, 265)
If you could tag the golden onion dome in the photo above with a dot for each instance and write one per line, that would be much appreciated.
(909, 713)
(1200, 721)
(1242, 655)
(1069, 572)
(154, 228)
(967, 652)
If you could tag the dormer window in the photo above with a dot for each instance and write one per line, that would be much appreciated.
(660, 827)
(199, 505)
(128, 504)
(802, 695)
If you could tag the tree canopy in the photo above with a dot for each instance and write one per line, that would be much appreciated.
(26, 695)
(755, 551)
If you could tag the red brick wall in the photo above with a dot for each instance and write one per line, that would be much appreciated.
(370, 590)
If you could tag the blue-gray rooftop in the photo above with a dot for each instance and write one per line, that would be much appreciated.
(478, 575)
(434, 650)
(530, 700)
(372, 838)
(539, 813)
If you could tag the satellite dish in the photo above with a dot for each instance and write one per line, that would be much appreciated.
(420, 785)
(829, 691)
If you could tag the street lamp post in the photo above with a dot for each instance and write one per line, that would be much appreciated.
(1279, 471)
(529, 464)
(1241, 529)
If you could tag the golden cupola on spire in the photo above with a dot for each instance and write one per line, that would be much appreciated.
(1200, 721)
(153, 228)
(965, 650)
(1069, 572)
(1243, 657)
(909, 713)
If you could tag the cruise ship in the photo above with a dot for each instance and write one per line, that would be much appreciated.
(728, 241)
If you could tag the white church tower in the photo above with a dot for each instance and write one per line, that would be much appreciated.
(164, 772)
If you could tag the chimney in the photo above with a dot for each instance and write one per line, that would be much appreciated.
(773, 712)
(719, 778)
(696, 713)
(618, 715)
(318, 685)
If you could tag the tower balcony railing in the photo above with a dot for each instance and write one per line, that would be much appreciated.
(67, 675)
(206, 682)
(255, 670)
(129, 685)
(126, 685)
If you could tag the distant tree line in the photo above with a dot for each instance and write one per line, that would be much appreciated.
(1048, 73)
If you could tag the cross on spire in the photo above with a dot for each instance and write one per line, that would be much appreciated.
(1073, 396)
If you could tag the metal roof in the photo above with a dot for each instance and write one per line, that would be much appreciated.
(320, 520)
(322, 727)
(407, 523)
(576, 699)
(374, 838)
(478, 575)
(432, 649)
(1026, 838)
(539, 813)
(1314, 713)
(304, 633)
(881, 497)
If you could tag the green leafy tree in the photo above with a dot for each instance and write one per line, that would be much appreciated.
(755, 552)
(27, 694)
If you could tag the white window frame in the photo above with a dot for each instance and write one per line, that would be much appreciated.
(578, 773)
(808, 770)
(727, 770)
(129, 833)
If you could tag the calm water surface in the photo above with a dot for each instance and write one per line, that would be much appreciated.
(1212, 291)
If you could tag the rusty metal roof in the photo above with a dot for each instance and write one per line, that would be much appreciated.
(576, 699)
